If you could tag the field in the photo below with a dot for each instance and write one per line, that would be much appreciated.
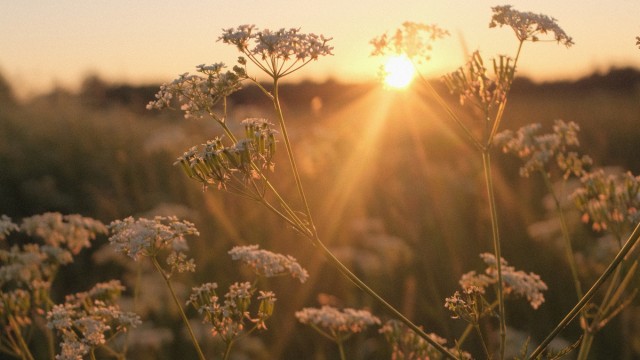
(396, 193)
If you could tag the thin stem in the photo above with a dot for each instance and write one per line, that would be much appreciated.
(23, 347)
(631, 241)
(294, 168)
(388, 307)
(486, 162)
(441, 102)
(565, 235)
(341, 348)
(227, 351)
(177, 302)
(484, 344)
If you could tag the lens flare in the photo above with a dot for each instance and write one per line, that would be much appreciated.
(398, 72)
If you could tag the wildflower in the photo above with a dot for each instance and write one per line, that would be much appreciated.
(277, 53)
(269, 264)
(473, 84)
(6, 226)
(407, 345)
(227, 317)
(470, 305)
(609, 202)
(516, 283)
(73, 231)
(197, 94)
(144, 237)
(338, 323)
(527, 25)
(413, 40)
(231, 167)
(89, 319)
(537, 151)
(31, 262)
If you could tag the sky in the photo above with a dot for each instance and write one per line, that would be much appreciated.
(46, 44)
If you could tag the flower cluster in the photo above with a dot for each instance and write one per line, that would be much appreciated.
(199, 94)
(338, 323)
(609, 202)
(527, 25)
(73, 231)
(27, 270)
(469, 305)
(145, 237)
(6, 227)
(214, 163)
(413, 40)
(271, 50)
(269, 264)
(537, 150)
(516, 283)
(88, 320)
(227, 319)
(407, 345)
(22, 266)
(473, 84)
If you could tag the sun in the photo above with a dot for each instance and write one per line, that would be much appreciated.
(398, 72)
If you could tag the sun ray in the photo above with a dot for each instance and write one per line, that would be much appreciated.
(399, 72)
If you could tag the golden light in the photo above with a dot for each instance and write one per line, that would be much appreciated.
(398, 72)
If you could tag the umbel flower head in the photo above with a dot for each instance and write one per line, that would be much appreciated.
(268, 264)
(407, 345)
(516, 283)
(214, 163)
(88, 320)
(475, 85)
(74, 232)
(144, 237)
(537, 150)
(199, 94)
(527, 25)
(227, 317)
(609, 201)
(413, 40)
(335, 322)
(276, 52)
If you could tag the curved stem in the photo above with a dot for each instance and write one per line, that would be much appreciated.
(486, 162)
(631, 242)
(177, 302)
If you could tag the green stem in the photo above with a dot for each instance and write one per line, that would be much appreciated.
(388, 307)
(341, 348)
(227, 351)
(486, 162)
(313, 235)
(631, 241)
(177, 302)
(565, 236)
(484, 344)
(287, 142)
(23, 349)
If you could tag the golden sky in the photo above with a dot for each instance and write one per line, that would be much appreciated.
(57, 43)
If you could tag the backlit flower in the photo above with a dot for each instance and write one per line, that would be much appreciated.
(527, 25)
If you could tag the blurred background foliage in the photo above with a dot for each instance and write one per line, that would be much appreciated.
(394, 189)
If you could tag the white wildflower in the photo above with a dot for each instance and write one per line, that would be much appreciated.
(337, 321)
(269, 264)
(527, 25)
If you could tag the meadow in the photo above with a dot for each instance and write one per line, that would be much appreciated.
(397, 194)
